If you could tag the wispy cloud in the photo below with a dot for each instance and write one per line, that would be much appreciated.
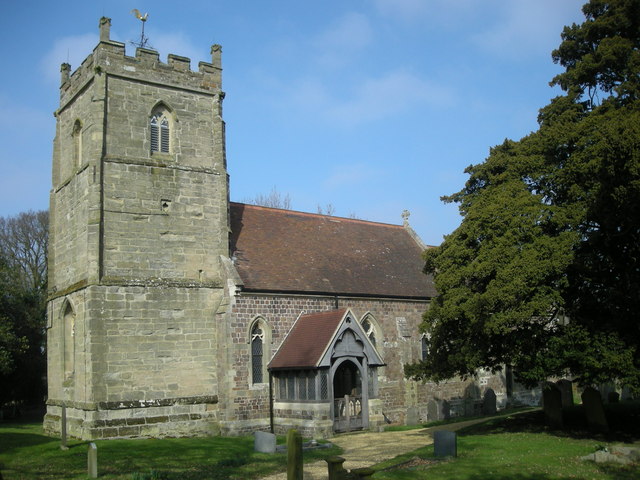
(343, 176)
(441, 12)
(347, 36)
(527, 27)
(373, 99)
(403, 9)
(73, 50)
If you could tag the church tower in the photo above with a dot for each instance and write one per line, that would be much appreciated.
(138, 245)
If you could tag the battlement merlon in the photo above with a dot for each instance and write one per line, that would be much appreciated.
(109, 57)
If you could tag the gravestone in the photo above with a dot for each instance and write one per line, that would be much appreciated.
(613, 397)
(594, 410)
(432, 411)
(605, 389)
(412, 416)
(445, 443)
(552, 405)
(92, 461)
(489, 402)
(566, 392)
(446, 410)
(264, 442)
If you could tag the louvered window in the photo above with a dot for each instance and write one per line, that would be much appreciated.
(160, 133)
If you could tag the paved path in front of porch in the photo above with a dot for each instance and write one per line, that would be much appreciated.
(365, 449)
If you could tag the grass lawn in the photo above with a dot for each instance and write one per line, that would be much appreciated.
(514, 448)
(26, 453)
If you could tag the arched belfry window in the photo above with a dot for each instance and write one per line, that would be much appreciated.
(259, 344)
(76, 135)
(160, 125)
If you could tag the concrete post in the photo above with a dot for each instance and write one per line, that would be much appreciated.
(92, 461)
(294, 455)
(63, 429)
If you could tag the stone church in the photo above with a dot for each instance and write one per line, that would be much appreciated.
(173, 311)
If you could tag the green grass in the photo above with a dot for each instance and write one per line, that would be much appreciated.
(27, 454)
(514, 448)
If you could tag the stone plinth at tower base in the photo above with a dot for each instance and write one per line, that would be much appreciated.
(159, 418)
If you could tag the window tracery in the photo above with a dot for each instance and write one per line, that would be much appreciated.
(160, 131)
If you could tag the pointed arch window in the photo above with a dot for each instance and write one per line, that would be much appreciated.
(425, 346)
(369, 330)
(257, 353)
(160, 131)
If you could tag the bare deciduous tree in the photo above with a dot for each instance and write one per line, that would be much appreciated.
(23, 245)
(274, 199)
(329, 210)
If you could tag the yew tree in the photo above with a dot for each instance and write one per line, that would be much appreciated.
(543, 273)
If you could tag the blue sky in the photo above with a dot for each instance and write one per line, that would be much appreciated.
(372, 106)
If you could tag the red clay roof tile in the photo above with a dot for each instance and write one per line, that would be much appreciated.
(307, 340)
(286, 251)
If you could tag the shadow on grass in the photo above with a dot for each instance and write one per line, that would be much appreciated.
(623, 418)
(10, 441)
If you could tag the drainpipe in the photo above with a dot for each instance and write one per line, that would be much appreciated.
(271, 401)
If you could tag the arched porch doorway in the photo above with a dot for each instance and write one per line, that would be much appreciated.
(348, 399)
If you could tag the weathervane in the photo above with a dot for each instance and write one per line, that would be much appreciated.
(143, 18)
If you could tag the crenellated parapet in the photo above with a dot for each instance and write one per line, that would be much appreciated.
(109, 58)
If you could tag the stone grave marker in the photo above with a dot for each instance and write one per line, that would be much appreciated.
(432, 411)
(489, 402)
(264, 442)
(445, 443)
(446, 410)
(566, 392)
(412, 416)
(552, 405)
(594, 410)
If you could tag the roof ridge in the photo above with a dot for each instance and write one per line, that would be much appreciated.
(317, 215)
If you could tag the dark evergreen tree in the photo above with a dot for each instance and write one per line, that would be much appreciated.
(544, 271)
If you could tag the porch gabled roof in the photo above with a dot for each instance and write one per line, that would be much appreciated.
(307, 340)
(310, 342)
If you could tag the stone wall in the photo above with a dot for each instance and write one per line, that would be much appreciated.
(136, 349)
(397, 340)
